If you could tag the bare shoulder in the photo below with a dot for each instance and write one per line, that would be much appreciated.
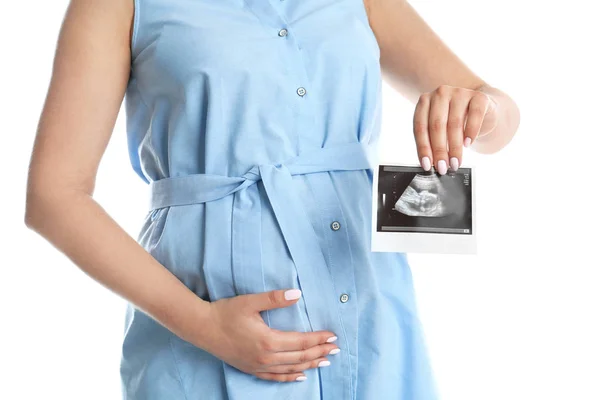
(371, 6)
(100, 16)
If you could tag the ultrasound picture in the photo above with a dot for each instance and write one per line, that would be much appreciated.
(413, 200)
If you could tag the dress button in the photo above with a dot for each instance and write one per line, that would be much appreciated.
(301, 91)
(335, 225)
(283, 32)
(344, 298)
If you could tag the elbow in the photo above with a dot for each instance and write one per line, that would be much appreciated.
(32, 210)
(38, 205)
(44, 204)
(27, 220)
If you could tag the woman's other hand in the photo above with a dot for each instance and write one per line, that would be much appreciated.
(239, 336)
(448, 118)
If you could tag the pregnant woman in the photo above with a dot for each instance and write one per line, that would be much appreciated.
(254, 123)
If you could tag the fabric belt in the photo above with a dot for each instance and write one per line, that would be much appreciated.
(290, 213)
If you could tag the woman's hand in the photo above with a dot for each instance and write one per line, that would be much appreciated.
(447, 118)
(239, 336)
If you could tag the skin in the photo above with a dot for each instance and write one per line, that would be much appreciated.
(90, 73)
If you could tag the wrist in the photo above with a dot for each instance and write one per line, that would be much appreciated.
(201, 321)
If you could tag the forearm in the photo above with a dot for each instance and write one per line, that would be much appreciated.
(80, 228)
(496, 134)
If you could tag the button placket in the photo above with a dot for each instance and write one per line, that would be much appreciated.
(339, 253)
(345, 323)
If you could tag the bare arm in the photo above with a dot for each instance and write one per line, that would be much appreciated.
(414, 60)
(90, 74)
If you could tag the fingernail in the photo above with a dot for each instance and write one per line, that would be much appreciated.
(335, 351)
(442, 168)
(454, 163)
(292, 294)
(301, 378)
(332, 339)
(467, 141)
(426, 163)
(324, 363)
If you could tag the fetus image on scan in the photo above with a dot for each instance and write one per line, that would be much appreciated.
(426, 196)
(422, 198)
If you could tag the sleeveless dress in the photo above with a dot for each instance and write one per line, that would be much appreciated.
(255, 124)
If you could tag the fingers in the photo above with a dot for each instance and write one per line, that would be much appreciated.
(292, 368)
(289, 366)
(445, 120)
(284, 353)
(291, 341)
(421, 131)
(475, 114)
(289, 362)
(298, 376)
(272, 299)
(456, 126)
(438, 121)
(300, 357)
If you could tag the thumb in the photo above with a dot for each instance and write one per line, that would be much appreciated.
(274, 299)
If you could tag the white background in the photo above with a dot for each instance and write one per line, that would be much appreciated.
(519, 321)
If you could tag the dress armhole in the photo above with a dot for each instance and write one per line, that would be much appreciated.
(135, 29)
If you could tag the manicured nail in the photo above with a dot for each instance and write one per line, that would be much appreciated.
(301, 378)
(454, 163)
(426, 163)
(292, 294)
(442, 168)
(467, 141)
(332, 339)
(324, 363)
(335, 351)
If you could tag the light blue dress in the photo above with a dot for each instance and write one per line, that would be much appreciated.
(255, 124)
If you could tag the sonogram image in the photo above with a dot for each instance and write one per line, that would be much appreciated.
(413, 200)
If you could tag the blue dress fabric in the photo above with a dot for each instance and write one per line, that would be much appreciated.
(255, 125)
